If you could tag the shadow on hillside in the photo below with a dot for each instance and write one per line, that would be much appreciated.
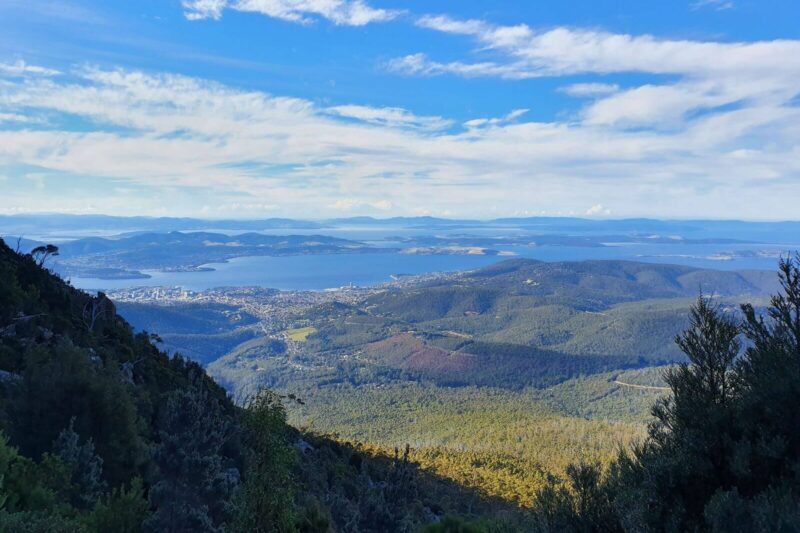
(376, 489)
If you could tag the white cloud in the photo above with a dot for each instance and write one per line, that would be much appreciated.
(349, 204)
(420, 64)
(564, 51)
(590, 89)
(389, 116)
(449, 25)
(515, 114)
(204, 9)
(717, 5)
(16, 117)
(342, 12)
(704, 76)
(20, 68)
(181, 142)
(481, 122)
(597, 210)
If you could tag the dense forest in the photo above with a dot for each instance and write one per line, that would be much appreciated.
(103, 431)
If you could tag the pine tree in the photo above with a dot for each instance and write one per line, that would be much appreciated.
(723, 453)
(85, 467)
(194, 485)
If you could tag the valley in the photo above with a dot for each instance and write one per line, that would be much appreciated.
(485, 385)
(496, 378)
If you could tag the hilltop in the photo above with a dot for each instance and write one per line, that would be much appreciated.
(514, 324)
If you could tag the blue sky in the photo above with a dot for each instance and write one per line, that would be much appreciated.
(316, 108)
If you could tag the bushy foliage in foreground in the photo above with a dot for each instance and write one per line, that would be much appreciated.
(99, 429)
(723, 453)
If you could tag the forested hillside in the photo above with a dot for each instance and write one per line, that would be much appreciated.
(102, 431)
(514, 325)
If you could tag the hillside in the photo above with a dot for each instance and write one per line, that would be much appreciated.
(75, 372)
(93, 415)
(588, 285)
(202, 333)
(102, 431)
(516, 324)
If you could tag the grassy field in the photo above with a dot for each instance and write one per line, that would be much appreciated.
(300, 334)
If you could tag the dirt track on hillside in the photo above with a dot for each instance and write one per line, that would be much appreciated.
(642, 387)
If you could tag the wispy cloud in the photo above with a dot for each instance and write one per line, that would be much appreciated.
(349, 204)
(527, 53)
(342, 12)
(590, 89)
(179, 142)
(704, 75)
(21, 68)
(718, 5)
(421, 64)
(389, 116)
(16, 117)
(204, 9)
(482, 122)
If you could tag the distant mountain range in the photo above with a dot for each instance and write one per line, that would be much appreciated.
(125, 256)
(109, 247)
(773, 232)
